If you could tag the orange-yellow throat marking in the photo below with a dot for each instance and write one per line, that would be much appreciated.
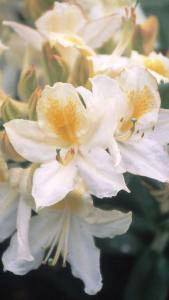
(141, 102)
(157, 66)
(64, 120)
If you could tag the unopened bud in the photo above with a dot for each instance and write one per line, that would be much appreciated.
(145, 35)
(3, 169)
(27, 83)
(32, 103)
(3, 98)
(7, 149)
(36, 8)
(12, 109)
(56, 68)
(83, 70)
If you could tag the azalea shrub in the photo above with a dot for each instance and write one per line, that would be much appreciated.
(84, 133)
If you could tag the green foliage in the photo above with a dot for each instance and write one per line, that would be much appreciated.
(159, 8)
(164, 93)
(149, 278)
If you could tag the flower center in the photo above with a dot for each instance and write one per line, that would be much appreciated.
(140, 103)
(71, 204)
(65, 120)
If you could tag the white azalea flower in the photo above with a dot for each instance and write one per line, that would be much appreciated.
(70, 137)
(157, 64)
(68, 228)
(66, 28)
(143, 128)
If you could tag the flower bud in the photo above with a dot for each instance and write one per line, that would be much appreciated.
(7, 149)
(83, 70)
(27, 83)
(3, 169)
(36, 8)
(56, 68)
(32, 103)
(145, 35)
(12, 109)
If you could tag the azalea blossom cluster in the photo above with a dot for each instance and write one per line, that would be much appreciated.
(90, 118)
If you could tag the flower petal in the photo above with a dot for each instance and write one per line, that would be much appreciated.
(40, 235)
(52, 182)
(96, 32)
(109, 223)
(109, 95)
(99, 174)
(30, 141)
(84, 257)
(161, 130)
(63, 18)
(23, 220)
(28, 34)
(8, 209)
(146, 158)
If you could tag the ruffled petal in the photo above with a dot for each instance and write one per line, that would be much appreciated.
(146, 158)
(109, 223)
(30, 141)
(42, 229)
(84, 257)
(52, 182)
(99, 174)
(161, 130)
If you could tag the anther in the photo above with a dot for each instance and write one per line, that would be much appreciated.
(142, 135)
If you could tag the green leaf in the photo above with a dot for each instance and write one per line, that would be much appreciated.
(149, 278)
(127, 243)
(147, 206)
(164, 94)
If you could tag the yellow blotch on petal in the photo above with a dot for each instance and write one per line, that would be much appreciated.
(157, 66)
(141, 102)
(73, 201)
(64, 119)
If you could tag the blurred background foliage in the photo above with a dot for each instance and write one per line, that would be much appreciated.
(135, 266)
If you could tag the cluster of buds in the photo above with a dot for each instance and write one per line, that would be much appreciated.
(89, 111)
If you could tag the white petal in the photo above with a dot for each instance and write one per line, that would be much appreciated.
(84, 257)
(97, 32)
(23, 220)
(99, 174)
(135, 78)
(146, 158)
(28, 34)
(41, 231)
(161, 130)
(8, 209)
(30, 141)
(86, 95)
(102, 115)
(52, 182)
(109, 95)
(63, 18)
(110, 223)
